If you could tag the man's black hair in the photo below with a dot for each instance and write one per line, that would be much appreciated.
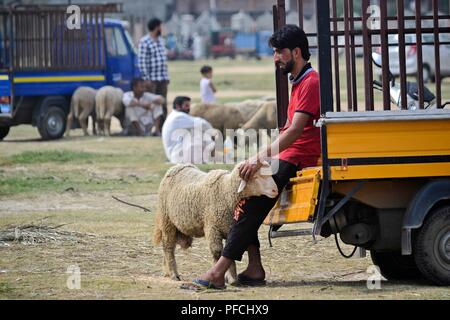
(179, 101)
(135, 82)
(290, 36)
(153, 24)
(205, 69)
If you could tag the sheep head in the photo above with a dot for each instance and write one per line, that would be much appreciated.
(261, 184)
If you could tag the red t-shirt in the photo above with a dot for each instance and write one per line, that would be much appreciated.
(305, 98)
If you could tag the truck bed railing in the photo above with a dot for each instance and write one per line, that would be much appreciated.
(339, 32)
(36, 37)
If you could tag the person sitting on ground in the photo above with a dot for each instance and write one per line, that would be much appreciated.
(177, 146)
(143, 110)
(207, 88)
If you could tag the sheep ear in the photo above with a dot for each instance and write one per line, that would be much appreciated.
(242, 186)
(266, 169)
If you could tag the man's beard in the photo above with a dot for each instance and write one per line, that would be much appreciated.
(288, 67)
(158, 33)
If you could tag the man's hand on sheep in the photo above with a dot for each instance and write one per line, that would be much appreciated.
(248, 169)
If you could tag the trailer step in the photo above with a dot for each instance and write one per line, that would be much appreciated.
(288, 233)
(291, 233)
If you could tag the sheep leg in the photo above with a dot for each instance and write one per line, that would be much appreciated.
(169, 242)
(216, 246)
(100, 127)
(84, 125)
(94, 122)
(107, 125)
(84, 121)
(69, 124)
(231, 274)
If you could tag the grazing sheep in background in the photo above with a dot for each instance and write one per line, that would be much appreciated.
(265, 118)
(247, 108)
(82, 106)
(220, 117)
(192, 203)
(108, 103)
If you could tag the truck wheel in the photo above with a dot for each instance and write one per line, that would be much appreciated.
(3, 132)
(432, 247)
(394, 266)
(53, 123)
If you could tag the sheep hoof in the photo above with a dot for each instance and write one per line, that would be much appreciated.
(231, 280)
(176, 278)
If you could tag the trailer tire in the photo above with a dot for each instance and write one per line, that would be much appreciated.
(52, 124)
(395, 266)
(432, 247)
(3, 132)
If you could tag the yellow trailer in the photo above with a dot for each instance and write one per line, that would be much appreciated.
(383, 182)
(389, 178)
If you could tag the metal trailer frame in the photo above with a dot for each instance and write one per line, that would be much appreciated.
(327, 36)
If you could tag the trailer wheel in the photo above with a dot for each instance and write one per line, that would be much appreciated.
(53, 123)
(3, 132)
(432, 247)
(395, 266)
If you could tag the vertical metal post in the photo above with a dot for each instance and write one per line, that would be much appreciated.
(337, 81)
(300, 13)
(385, 55)
(324, 49)
(419, 53)
(401, 49)
(326, 99)
(437, 54)
(353, 58)
(368, 71)
(102, 41)
(348, 58)
(281, 80)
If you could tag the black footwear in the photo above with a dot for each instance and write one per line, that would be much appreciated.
(250, 282)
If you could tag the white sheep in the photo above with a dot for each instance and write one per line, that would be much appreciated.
(192, 203)
(247, 108)
(220, 117)
(264, 118)
(108, 103)
(82, 106)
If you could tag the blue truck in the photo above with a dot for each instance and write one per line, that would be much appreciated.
(43, 61)
(252, 44)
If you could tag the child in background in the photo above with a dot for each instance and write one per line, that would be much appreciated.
(207, 89)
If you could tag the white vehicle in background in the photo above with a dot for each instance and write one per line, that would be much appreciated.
(429, 65)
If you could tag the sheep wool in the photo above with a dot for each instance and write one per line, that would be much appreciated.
(82, 106)
(108, 103)
(192, 203)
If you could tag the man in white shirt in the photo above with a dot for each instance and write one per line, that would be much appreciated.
(182, 134)
(207, 88)
(143, 110)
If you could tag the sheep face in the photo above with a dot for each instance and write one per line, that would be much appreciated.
(262, 184)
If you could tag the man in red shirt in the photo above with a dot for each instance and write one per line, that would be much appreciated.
(297, 147)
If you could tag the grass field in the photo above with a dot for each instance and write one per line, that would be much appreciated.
(69, 184)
